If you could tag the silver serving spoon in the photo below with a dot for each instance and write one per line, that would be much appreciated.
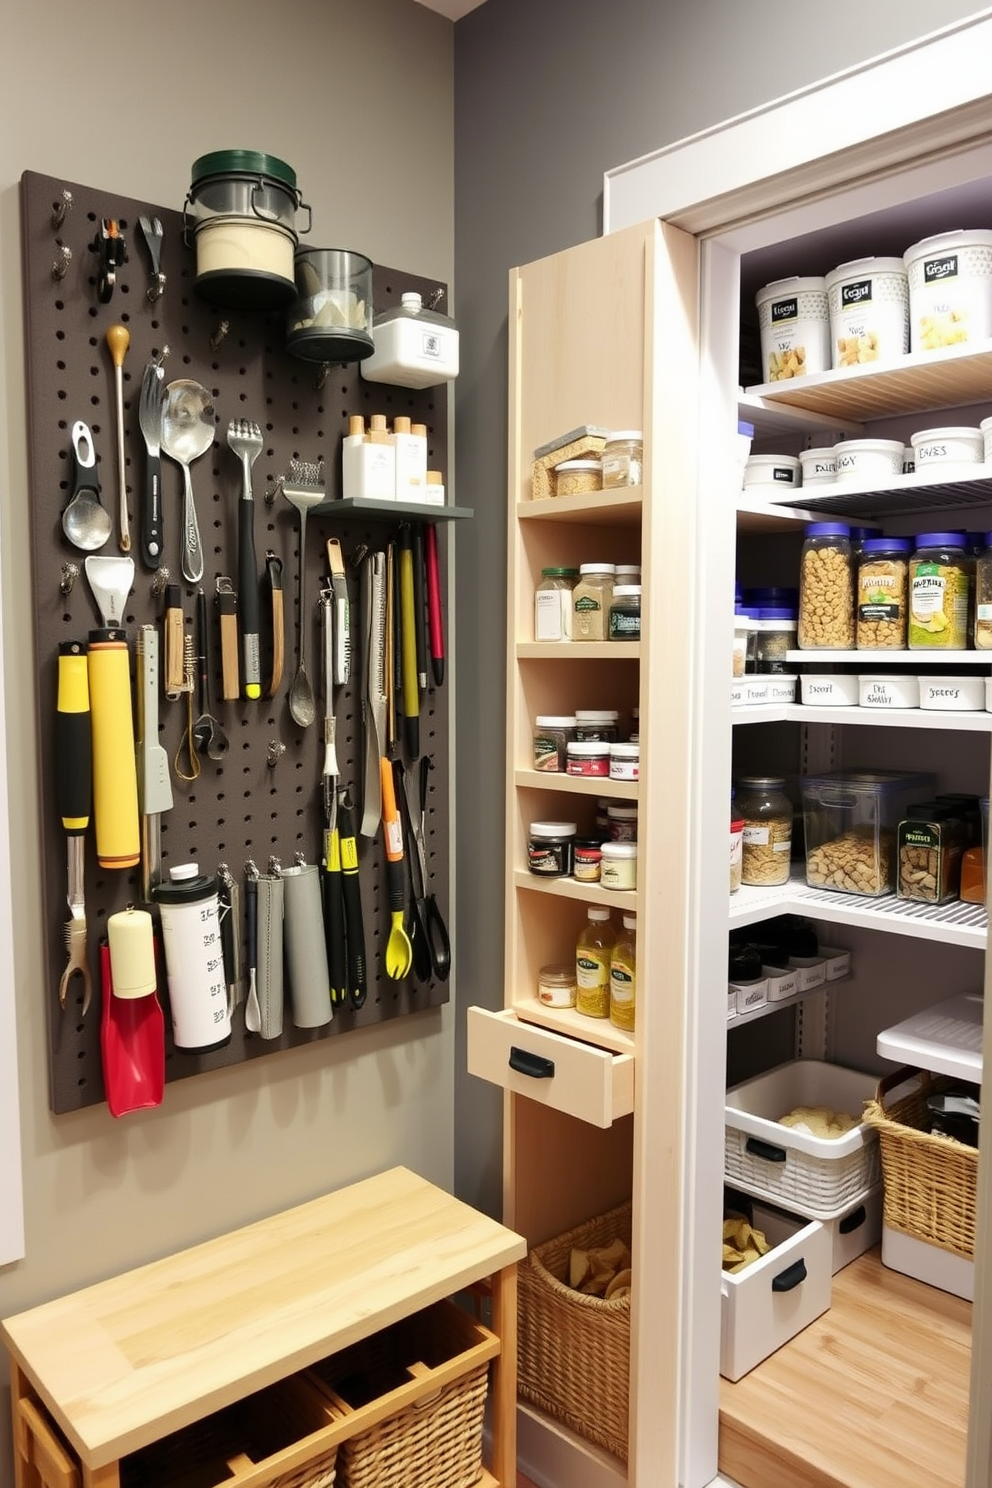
(188, 427)
(86, 522)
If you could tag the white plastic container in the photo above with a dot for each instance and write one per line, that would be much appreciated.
(794, 322)
(783, 981)
(869, 311)
(818, 466)
(988, 694)
(414, 347)
(750, 995)
(888, 692)
(934, 450)
(782, 689)
(774, 1298)
(772, 471)
(755, 690)
(950, 289)
(953, 694)
(853, 1233)
(829, 691)
(864, 460)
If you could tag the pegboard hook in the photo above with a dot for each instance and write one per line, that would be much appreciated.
(219, 334)
(274, 753)
(70, 573)
(61, 262)
(111, 245)
(62, 206)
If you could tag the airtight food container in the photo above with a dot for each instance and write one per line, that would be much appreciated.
(934, 450)
(953, 694)
(888, 692)
(818, 466)
(772, 471)
(794, 323)
(241, 209)
(414, 347)
(868, 459)
(950, 289)
(850, 819)
(869, 311)
(828, 690)
(331, 318)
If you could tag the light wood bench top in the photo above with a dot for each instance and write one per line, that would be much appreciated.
(124, 1362)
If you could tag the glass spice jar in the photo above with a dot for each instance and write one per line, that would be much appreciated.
(625, 613)
(766, 845)
(775, 636)
(882, 592)
(553, 604)
(623, 459)
(826, 588)
(591, 599)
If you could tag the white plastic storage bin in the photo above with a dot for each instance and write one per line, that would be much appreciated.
(774, 1298)
(819, 1177)
(414, 347)
(855, 1231)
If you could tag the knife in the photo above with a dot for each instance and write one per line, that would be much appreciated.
(154, 782)
(150, 423)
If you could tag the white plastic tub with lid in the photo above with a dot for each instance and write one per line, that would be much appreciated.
(869, 311)
(794, 322)
(819, 466)
(868, 459)
(772, 470)
(950, 289)
(937, 450)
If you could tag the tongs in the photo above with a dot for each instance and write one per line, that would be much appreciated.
(427, 930)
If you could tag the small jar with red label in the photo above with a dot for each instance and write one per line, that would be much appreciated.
(736, 844)
(589, 759)
(588, 859)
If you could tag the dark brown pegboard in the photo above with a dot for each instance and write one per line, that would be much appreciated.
(243, 807)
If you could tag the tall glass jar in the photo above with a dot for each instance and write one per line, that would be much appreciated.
(983, 597)
(826, 588)
(591, 599)
(553, 604)
(881, 605)
(766, 847)
(940, 573)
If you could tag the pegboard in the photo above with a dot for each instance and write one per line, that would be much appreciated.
(245, 806)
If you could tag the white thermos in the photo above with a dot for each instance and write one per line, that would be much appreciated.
(194, 958)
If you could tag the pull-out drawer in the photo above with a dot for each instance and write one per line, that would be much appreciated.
(592, 1084)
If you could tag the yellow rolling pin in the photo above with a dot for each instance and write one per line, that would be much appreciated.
(115, 776)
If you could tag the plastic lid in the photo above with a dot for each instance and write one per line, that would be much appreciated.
(625, 751)
(553, 829)
(618, 434)
(630, 921)
(411, 300)
(789, 286)
(776, 612)
(587, 749)
(940, 540)
(184, 871)
(597, 715)
(771, 594)
(243, 162)
(626, 591)
(619, 849)
(622, 813)
(861, 268)
(594, 568)
(579, 465)
(560, 573)
(555, 720)
(887, 545)
(859, 534)
(827, 529)
(776, 781)
(743, 427)
(597, 914)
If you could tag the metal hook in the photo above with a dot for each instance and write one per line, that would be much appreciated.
(275, 490)
(159, 580)
(111, 245)
(61, 264)
(70, 573)
(435, 298)
(274, 753)
(63, 205)
(219, 334)
(322, 376)
(159, 358)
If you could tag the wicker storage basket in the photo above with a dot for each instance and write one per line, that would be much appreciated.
(263, 1438)
(422, 1383)
(930, 1181)
(573, 1349)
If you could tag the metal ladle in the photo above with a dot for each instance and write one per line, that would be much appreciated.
(188, 427)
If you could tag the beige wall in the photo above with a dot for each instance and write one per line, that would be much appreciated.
(357, 96)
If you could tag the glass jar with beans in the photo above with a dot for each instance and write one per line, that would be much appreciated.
(826, 588)
(881, 603)
(766, 848)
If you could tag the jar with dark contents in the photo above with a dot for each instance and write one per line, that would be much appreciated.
(551, 847)
(553, 732)
(625, 613)
(776, 629)
(597, 725)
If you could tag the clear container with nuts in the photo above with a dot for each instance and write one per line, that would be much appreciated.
(826, 588)
(882, 594)
(766, 845)
(851, 819)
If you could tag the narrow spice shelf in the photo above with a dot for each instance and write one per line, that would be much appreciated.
(578, 650)
(598, 1031)
(619, 508)
(571, 888)
(583, 785)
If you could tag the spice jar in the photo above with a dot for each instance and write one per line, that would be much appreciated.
(623, 459)
(591, 599)
(939, 589)
(590, 759)
(588, 859)
(599, 725)
(766, 844)
(625, 761)
(625, 613)
(553, 732)
(882, 590)
(577, 477)
(621, 822)
(550, 848)
(556, 986)
(619, 866)
(983, 597)
(553, 604)
(826, 588)
(775, 636)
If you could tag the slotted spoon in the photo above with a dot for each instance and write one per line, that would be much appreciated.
(304, 490)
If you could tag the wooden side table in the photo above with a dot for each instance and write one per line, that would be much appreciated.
(119, 1365)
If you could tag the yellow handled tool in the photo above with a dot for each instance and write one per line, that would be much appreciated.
(115, 779)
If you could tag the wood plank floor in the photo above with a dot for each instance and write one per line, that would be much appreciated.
(874, 1394)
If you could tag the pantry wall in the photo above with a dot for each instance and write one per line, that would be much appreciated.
(125, 103)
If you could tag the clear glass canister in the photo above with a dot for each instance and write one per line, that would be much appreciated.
(591, 600)
(826, 588)
(939, 589)
(983, 597)
(625, 613)
(623, 459)
(553, 604)
(553, 732)
(766, 845)
(882, 594)
(775, 635)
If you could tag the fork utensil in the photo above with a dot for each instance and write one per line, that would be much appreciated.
(245, 439)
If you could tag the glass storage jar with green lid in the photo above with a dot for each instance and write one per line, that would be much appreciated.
(553, 604)
(940, 574)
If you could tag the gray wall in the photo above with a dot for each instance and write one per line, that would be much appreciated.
(549, 94)
(357, 95)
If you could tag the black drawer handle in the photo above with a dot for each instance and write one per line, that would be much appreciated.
(853, 1221)
(757, 1148)
(790, 1278)
(534, 1065)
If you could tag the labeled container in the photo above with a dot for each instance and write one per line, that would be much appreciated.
(939, 588)
(591, 600)
(986, 430)
(781, 687)
(850, 819)
(772, 472)
(553, 732)
(623, 976)
(931, 840)
(767, 836)
(550, 848)
(736, 843)
(826, 588)
(619, 865)
(625, 613)
(556, 986)
(776, 628)
(794, 323)
(593, 950)
(331, 318)
(590, 760)
(938, 451)
(625, 761)
(869, 311)
(867, 460)
(621, 822)
(190, 913)
(242, 209)
(896, 691)
(623, 459)
(950, 289)
(577, 477)
(829, 690)
(553, 604)
(588, 860)
(964, 694)
(599, 725)
(414, 347)
(743, 650)
(983, 597)
(818, 466)
(882, 594)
